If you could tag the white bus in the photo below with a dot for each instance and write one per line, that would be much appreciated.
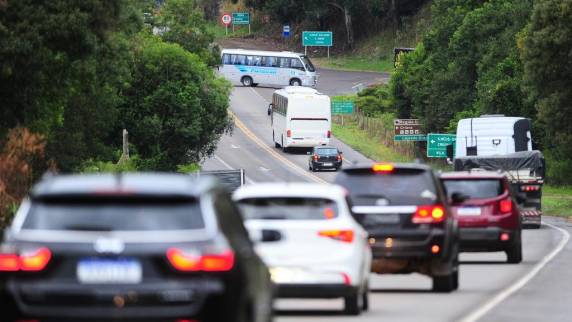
(273, 68)
(301, 117)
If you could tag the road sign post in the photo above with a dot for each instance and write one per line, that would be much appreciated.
(241, 18)
(286, 31)
(226, 20)
(408, 130)
(437, 144)
(317, 39)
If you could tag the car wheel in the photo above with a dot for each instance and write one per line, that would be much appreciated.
(514, 253)
(276, 144)
(365, 300)
(446, 283)
(284, 149)
(352, 304)
(295, 82)
(246, 81)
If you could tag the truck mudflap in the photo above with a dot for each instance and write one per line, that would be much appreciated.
(531, 218)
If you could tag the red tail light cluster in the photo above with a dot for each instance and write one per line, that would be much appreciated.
(29, 262)
(429, 214)
(341, 235)
(329, 134)
(315, 157)
(505, 206)
(187, 262)
(530, 188)
(289, 133)
(339, 157)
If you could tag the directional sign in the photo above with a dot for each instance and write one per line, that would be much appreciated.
(342, 107)
(437, 144)
(408, 130)
(286, 31)
(241, 18)
(421, 137)
(317, 38)
(226, 19)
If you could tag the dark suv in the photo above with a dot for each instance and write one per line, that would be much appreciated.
(404, 209)
(135, 247)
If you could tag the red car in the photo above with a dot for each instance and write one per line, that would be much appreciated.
(488, 216)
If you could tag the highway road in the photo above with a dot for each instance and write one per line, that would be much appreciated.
(490, 290)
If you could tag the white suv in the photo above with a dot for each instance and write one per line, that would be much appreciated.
(318, 249)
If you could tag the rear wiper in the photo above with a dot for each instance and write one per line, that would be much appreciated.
(272, 217)
(88, 228)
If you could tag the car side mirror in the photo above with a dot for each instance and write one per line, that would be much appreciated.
(458, 197)
(270, 106)
(270, 236)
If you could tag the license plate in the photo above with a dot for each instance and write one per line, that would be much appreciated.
(283, 275)
(109, 271)
(469, 211)
(383, 219)
(328, 164)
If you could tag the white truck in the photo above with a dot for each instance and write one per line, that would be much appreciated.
(499, 143)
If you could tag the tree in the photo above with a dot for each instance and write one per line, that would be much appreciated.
(176, 108)
(548, 66)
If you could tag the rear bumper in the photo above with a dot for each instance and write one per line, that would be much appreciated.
(173, 299)
(305, 143)
(314, 290)
(531, 217)
(411, 245)
(486, 239)
(322, 164)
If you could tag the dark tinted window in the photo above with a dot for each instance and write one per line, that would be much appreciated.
(288, 208)
(308, 64)
(115, 215)
(475, 189)
(402, 188)
(327, 151)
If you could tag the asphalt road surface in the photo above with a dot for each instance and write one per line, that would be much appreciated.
(538, 289)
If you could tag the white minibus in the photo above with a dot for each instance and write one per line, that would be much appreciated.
(301, 117)
(272, 68)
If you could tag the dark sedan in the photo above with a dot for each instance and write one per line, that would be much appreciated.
(325, 157)
(135, 247)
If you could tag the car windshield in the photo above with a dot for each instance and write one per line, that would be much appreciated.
(288, 208)
(475, 189)
(327, 151)
(409, 188)
(308, 64)
(115, 215)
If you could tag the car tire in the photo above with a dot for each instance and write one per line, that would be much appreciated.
(295, 82)
(284, 149)
(365, 300)
(276, 144)
(352, 304)
(514, 253)
(446, 283)
(246, 81)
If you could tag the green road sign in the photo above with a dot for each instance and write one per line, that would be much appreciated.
(342, 107)
(437, 144)
(241, 18)
(421, 137)
(317, 38)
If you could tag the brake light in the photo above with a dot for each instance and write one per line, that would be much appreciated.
(430, 214)
(382, 167)
(289, 133)
(339, 157)
(530, 188)
(505, 206)
(341, 235)
(193, 263)
(329, 134)
(29, 262)
(315, 157)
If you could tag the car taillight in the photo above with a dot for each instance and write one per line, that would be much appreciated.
(383, 167)
(315, 157)
(30, 261)
(341, 235)
(289, 133)
(329, 134)
(530, 188)
(191, 262)
(429, 214)
(339, 157)
(505, 206)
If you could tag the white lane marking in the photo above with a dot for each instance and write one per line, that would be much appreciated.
(504, 294)
(248, 180)
(235, 146)
(263, 169)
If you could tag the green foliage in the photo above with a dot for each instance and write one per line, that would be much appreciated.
(93, 166)
(176, 108)
(188, 168)
(374, 100)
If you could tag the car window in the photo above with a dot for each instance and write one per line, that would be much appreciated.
(288, 208)
(408, 188)
(327, 151)
(475, 189)
(115, 215)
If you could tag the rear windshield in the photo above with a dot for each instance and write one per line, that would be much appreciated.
(408, 188)
(115, 216)
(475, 189)
(328, 151)
(288, 208)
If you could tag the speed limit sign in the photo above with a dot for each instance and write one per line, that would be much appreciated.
(226, 19)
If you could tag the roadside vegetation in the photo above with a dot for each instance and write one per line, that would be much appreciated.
(74, 74)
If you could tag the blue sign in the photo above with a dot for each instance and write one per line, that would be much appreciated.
(286, 31)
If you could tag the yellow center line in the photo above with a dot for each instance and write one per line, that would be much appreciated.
(272, 152)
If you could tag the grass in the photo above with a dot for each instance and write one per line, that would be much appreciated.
(557, 201)
(366, 145)
(355, 63)
(220, 32)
